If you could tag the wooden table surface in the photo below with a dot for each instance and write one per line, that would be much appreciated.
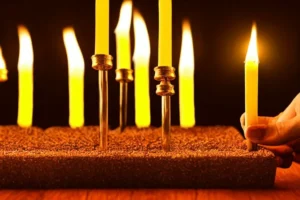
(287, 187)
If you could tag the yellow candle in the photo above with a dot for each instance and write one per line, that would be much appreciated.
(186, 78)
(141, 58)
(76, 79)
(102, 27)
(3, 70)
(25, 68)
(123, 36)
(251, 80)
(165, 33)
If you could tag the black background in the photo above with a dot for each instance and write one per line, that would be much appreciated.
(221, 32)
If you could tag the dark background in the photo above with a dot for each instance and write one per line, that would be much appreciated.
(221, 32)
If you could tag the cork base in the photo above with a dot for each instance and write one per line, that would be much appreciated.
(201, 157)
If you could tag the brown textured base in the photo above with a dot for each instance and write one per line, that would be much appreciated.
(201, 157)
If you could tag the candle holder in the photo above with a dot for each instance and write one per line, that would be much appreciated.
(123, 76)
(3, 75)
(165, 89)
(103, 63)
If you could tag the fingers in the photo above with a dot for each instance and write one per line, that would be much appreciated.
(274, 133)
(297, 157)
(295, 145)
(281, 150)
(291, 111)
(261, 120)
(284, 162)
(283, 153)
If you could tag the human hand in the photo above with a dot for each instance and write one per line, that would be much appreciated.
(280, 134)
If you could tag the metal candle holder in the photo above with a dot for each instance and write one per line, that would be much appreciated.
(3, 75)
(165, 89)
(123, 76)
(103, 63)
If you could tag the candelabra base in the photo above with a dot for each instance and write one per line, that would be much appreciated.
(200, 157)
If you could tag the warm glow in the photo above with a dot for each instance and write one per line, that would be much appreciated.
(2, 61)
(123, 36)
(252, 54)
(25, 68)
(186, 78)
(76, 79)
(3, 71)
(141, 60)
(251, 80)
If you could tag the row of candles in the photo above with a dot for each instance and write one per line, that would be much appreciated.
(141, 61)
(76, 64)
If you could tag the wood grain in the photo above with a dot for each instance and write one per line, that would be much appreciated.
(287, 186)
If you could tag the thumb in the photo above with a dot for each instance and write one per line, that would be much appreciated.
(276, 133)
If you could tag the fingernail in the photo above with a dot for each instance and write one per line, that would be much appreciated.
(256, 132)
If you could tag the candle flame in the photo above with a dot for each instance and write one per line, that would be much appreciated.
(252, 54)
(122, 32)
(141, 58)
(142, 43)
(3, 71)
(76, 78)
(125, 17)
(2, 61)
(186, 78)
(25, 68)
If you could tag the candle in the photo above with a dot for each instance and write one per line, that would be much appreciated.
(251, 81)
(165, 33)
(76, 79)
(25, 69)
(186, 78)
(3, 70)
(123, 36)
(102, 27)
(141, 58)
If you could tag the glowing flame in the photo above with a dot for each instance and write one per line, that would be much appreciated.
(252, 54)
(141, 59)
(76, 79)
(3, 71)
(125, 17)
(123, 36)
(186, 78)
(25, 67)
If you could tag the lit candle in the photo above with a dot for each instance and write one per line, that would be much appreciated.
(186, 78)
(251, 81)
(25, 68)
(102, 27)
(3, 70)
(141, 58)
(165, 33)
(76, 79)
(123, 36)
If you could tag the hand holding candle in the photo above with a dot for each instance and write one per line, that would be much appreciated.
(251, 84)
